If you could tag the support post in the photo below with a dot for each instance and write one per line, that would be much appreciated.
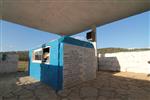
(91, 36)
(94, 39)
(94, 42)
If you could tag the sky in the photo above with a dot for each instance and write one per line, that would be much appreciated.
(131, 32)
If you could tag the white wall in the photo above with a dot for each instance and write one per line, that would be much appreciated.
(10, 64)
(125, 61)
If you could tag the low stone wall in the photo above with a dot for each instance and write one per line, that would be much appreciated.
(8, 63)
(125, 61)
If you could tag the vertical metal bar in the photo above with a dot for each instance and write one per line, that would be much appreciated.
(1, 37)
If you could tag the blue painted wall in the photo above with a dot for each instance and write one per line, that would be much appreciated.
(34, 68)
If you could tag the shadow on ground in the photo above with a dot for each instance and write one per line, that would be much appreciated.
(107, 86)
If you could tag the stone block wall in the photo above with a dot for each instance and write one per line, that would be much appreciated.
(9, 63)
(79, 65)
(125, 61)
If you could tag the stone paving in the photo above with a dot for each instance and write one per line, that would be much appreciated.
(107, 86)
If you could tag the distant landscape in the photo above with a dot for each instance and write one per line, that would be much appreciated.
(114, 50)
(24, 55)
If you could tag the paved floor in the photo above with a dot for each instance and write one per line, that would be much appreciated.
(107, 86)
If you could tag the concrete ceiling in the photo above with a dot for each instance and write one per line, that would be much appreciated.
(66, 17)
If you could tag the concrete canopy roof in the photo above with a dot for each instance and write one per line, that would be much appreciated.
(66, 17)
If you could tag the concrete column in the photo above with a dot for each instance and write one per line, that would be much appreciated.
(95, 44)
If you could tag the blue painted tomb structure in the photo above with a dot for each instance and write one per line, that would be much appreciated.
(63, 63)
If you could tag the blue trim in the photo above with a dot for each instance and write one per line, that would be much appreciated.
(29, 62)
(61, 65)
(73, 41)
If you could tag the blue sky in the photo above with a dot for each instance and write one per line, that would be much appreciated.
(131, 32)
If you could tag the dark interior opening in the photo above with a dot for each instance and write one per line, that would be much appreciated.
(46, 54)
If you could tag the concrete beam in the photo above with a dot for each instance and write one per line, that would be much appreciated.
(69, 17)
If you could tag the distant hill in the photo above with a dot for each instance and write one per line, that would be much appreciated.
(113, 50)
(22, 55)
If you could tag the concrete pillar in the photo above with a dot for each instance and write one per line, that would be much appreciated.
(95, 43)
